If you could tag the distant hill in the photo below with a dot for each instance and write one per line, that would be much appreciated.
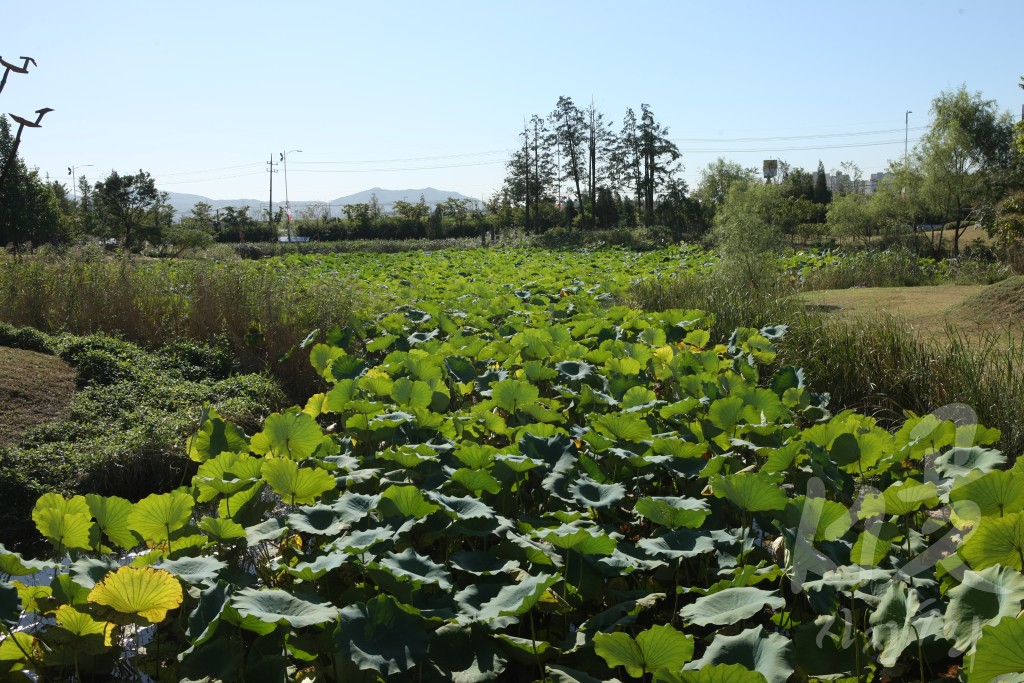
(183, 203)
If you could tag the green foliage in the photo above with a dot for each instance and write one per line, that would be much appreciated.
(524, 479)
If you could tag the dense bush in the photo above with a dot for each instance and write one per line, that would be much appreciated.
(129, 422)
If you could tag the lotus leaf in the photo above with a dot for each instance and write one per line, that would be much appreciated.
(294, 435)
(296, 485)
(275, 606)
(659, 647)
(767, 653)
(731, 605)
(144, 592)
(382, 636)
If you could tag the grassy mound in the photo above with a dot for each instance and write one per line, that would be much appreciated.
(35, 388)
(996, 304)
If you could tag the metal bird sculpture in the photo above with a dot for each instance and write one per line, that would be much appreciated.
(8, 68)
(22, 124)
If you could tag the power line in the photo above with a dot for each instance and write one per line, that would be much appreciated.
(393, 161)
(792, 149)
(407, 168)
(799, 137)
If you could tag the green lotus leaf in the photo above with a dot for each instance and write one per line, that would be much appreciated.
(767, 653)
(714, 673)
(998, 652)
(13, 564)
(586, 541)
(673, 512)
(957, 461)
(20, 648)
(218, 660)
(623, 427)
(216, 436)
(979, 494)
(627, 367)
(315, 569)
(381, 636)
(405, 501)
(475, 481)
(87, 571)
(221, 529)
(321, 520)
(340, 395)
(463, 507)
(511, 394)
(352, 507)
(10, 604)
(901, 498)
(825, 649)
(482, 563)
(564, 674)
(659, 647)
(557, 452)
(380, 343)
(417, 568)
(157, 516)
(468, 653)
(407, 392)
(475, 456)
(892, 622)
(375, 385)
(275, 606)
(461, 369)
(731, 605)
(321, 356)
(873, 545)
(826, 519)
(65, 522)
(681, 543)
(266, 531)
(111, 515)
(981, 599)
(487, 602)
(293, 435)
(202, 569)
(749, 491)
(574, 370)
(724, 413)
(138, 591)
(996, 540)
(591, 494)
(359, 542)
(296, 485)
(80, 624)
(639, 399)
(347, 367)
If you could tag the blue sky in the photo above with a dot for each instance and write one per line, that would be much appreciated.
(413, 94)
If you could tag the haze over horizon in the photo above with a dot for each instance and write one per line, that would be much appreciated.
(410, 95)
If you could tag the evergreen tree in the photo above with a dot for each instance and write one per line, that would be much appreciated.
(822, 195)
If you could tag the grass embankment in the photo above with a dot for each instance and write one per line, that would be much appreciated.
(35, 388)
(262, 309)
(875, 363)
(123, 432)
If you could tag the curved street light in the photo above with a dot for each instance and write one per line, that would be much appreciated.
(72, 171)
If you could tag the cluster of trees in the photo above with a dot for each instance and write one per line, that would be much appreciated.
(573, 170)
(613, 177)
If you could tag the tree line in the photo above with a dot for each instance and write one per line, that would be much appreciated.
(577, 170)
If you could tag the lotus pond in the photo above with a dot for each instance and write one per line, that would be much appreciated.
(512, 476)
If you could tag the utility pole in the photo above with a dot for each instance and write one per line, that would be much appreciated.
(287, 204)
(906, 136)
(270, 208)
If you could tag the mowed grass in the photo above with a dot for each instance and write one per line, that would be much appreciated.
(928, 310)
(974, 312)
(35, 388)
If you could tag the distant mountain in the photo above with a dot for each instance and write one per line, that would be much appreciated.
(183, 203)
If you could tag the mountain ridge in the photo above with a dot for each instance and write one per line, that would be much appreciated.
(183, 202)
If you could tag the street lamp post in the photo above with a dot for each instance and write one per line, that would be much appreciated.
(74, 177)
(288, 206)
